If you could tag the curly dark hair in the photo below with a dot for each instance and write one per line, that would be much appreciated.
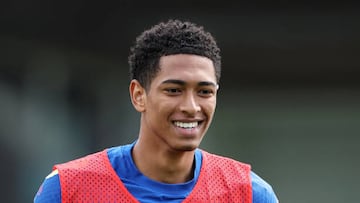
(172, 37)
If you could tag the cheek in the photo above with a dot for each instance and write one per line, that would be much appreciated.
(210, 107)
(161, 107)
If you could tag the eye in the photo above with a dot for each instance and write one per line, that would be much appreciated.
(172, 91)
(206, 92)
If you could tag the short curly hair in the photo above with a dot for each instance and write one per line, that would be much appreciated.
(168, 38)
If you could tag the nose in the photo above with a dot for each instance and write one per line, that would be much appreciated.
(189, 104)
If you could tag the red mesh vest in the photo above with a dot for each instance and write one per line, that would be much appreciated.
(92, 179)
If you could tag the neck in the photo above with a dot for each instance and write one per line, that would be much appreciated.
(163, 165)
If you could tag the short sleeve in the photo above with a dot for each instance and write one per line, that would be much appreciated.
(49, 190)
(262, 191)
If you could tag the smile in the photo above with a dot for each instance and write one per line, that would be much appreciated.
(186, 125)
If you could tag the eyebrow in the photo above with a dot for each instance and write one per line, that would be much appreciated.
(181, 82)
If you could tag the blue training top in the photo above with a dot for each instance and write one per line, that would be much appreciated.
(145, 189)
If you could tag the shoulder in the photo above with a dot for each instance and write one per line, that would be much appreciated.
(83, 162)
(262, 191)
(102, 157)
(227, 169)
(224, 163)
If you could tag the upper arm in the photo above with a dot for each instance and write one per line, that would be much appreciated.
(262, 191)
(49, 190)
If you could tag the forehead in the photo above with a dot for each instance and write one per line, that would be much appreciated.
(186, 67)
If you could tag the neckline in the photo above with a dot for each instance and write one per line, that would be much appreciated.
(130, 176)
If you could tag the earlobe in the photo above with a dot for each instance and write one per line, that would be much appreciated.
(137, 95)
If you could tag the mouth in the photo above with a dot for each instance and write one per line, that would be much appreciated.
(187, 125)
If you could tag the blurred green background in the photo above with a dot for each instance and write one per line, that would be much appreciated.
(289, 99)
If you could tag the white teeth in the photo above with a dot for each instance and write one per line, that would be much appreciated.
(186, 125)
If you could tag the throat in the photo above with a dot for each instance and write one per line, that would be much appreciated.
(165, 168)
(177, 175)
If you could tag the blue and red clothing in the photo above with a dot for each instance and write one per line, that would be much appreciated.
(146, 190)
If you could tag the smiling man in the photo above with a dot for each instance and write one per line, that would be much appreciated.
(175, 71)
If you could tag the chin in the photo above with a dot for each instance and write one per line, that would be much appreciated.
(187, 147)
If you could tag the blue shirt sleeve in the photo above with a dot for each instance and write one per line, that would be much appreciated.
(49, 191)
(262, 191)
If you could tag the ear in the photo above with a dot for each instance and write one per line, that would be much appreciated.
(137, 95)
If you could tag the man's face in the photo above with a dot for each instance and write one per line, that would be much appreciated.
(180, 102)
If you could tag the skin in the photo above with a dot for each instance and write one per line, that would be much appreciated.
(184, 90)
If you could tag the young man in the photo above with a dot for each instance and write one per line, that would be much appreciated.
(175, 71)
